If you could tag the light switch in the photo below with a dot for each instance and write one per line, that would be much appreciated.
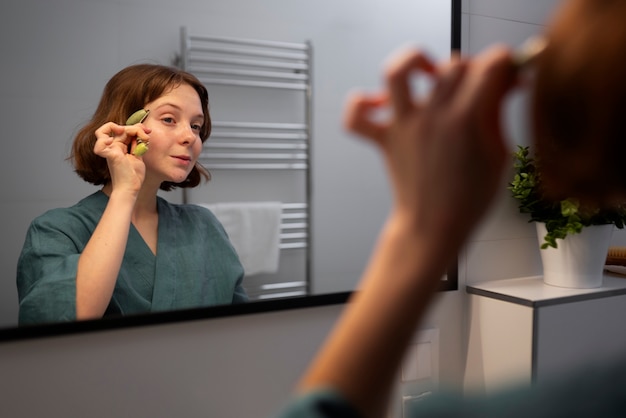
(418, 362)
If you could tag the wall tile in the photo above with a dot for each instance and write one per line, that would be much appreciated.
(465, 6)
(530, 11)
(503, 220)
(485, 31)
(502, 259)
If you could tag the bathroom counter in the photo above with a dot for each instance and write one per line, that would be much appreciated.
(524, 331)
(531, 291)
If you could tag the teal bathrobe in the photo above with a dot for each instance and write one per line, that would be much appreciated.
(593, 390)
(195, 265)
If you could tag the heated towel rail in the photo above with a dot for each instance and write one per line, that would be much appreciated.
(260, 93)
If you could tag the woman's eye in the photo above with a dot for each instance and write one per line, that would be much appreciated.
(196, 127)
(168, 120)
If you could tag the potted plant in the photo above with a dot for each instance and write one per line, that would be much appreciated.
(558, 220)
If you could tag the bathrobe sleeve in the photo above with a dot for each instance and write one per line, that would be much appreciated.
(321, 403)
(46, 271)
(596, 390)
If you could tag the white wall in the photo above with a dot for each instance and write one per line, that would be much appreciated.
(232, 367)
(58, 54)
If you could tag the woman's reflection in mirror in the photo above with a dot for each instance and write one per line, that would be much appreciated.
(124, 249)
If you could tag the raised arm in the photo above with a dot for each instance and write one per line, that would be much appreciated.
(445, 155)
(100, 262)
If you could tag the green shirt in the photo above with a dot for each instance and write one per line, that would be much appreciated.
(195, 264)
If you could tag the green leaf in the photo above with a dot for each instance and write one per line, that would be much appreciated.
(569, 207)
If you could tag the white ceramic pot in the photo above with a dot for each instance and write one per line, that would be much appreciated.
(578, 261)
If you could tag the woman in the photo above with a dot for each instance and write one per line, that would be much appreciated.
(445, 156)
(123, 249)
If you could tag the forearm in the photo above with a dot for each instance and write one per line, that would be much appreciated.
(100, 261)
(445, 154)
(362, 356)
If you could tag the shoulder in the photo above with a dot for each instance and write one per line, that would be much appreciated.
(72, 225)
(85, 213)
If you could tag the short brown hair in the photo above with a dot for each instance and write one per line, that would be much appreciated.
(126, 92)
(579, 101)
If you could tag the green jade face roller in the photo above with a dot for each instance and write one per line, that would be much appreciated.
(138, 117)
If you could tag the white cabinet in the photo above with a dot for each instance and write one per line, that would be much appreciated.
(523, 331)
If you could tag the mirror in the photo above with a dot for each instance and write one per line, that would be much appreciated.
(57, 56)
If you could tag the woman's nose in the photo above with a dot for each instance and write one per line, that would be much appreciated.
(188, 136)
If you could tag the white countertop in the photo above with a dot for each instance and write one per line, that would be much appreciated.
(532, 291)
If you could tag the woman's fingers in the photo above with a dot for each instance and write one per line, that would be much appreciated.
(112, 136)
(490, 79)
(449, 78)
(369, 115)
(363, 115)
(397, 74)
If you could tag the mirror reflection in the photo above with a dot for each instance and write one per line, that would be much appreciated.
(56, 68)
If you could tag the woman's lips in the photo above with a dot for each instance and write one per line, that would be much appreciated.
(185, 159)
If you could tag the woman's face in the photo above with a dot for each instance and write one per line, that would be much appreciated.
(175, 121)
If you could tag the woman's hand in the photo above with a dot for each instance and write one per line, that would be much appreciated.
(100, 261)
(445, 152)
(113, 143)
(445, 155)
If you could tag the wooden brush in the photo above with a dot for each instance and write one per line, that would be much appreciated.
(616, 256)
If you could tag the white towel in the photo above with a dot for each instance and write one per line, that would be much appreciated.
(254, 230)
